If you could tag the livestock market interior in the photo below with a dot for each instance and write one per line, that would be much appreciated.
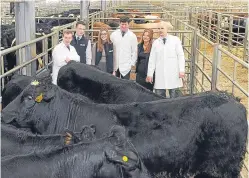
(214, 35)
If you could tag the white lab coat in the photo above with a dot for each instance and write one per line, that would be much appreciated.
(125, 49)
(167, 60)
(59, 55)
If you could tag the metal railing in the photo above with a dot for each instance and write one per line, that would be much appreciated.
(219, 28)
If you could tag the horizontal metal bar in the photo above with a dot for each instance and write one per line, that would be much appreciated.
(245, 166)
(206, 75)
(234, 82)
(9, 50)
(110, 18)
(244, 64)
(148, 12)
(187, 51)
(14, 48)
(199, 84)
(180, 31)
(57, 18)
(201, 53)
(205, 39)
(21, 65)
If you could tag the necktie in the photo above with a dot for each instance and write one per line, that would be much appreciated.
(123, 33)
(68, 48)
(77, 40)
(164, 40)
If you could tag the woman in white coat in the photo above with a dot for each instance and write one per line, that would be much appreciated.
(167, 61)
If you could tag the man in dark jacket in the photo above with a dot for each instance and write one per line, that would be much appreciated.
(82, 44)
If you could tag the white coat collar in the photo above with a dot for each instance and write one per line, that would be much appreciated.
(63, 45)
(125, 32)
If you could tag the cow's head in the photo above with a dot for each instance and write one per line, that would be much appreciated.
(121, 156)
(110, 156)
(39, 92)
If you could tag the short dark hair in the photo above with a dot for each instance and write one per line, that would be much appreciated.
(80, 23)
(124, 19)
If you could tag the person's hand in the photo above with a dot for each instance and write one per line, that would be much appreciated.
(181, 75)
(149, 79)
(114, 73)
(67, 59)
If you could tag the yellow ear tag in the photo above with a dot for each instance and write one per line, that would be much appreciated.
(125, 158)
(39, 98)
(35, 83)
(68, 138)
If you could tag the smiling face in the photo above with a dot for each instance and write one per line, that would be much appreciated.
(146, 37)
(103, 35)
(80, 30)
(124, 26)
(67, 38)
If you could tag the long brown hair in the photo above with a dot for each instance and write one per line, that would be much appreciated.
(100, 43)
(150, 34)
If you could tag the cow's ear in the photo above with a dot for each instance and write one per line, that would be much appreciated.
(119, 135)
(93, 127)
(88, 132)
(49, 95)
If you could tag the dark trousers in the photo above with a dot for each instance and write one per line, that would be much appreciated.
(173, 93)
(119, 75)
(142, 81)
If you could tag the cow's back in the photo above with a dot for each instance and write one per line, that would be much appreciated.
(102, 87)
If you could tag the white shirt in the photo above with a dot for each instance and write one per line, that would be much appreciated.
(125, 49)
(167, 60)
(59, 55)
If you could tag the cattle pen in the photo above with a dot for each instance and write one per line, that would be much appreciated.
(214, 35)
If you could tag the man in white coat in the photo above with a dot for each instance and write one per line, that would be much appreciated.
(63, 53)
(167, 61)
(125, 49)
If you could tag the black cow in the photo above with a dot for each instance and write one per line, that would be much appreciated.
(109, 157)
(93, 10)
(19, 142)
(65, 105)
(120, 10)
(140, 21)
(193, 134)
(100, 86)
(202, 134)
(8, 40)
(14, 87)
(43, 28)
(114, 25)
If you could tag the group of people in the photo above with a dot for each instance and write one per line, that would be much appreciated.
(160, 63)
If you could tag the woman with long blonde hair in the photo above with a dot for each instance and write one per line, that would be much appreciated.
(144, 48)
(103, 54)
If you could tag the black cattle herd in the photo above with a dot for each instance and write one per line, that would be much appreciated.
(94, 125)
